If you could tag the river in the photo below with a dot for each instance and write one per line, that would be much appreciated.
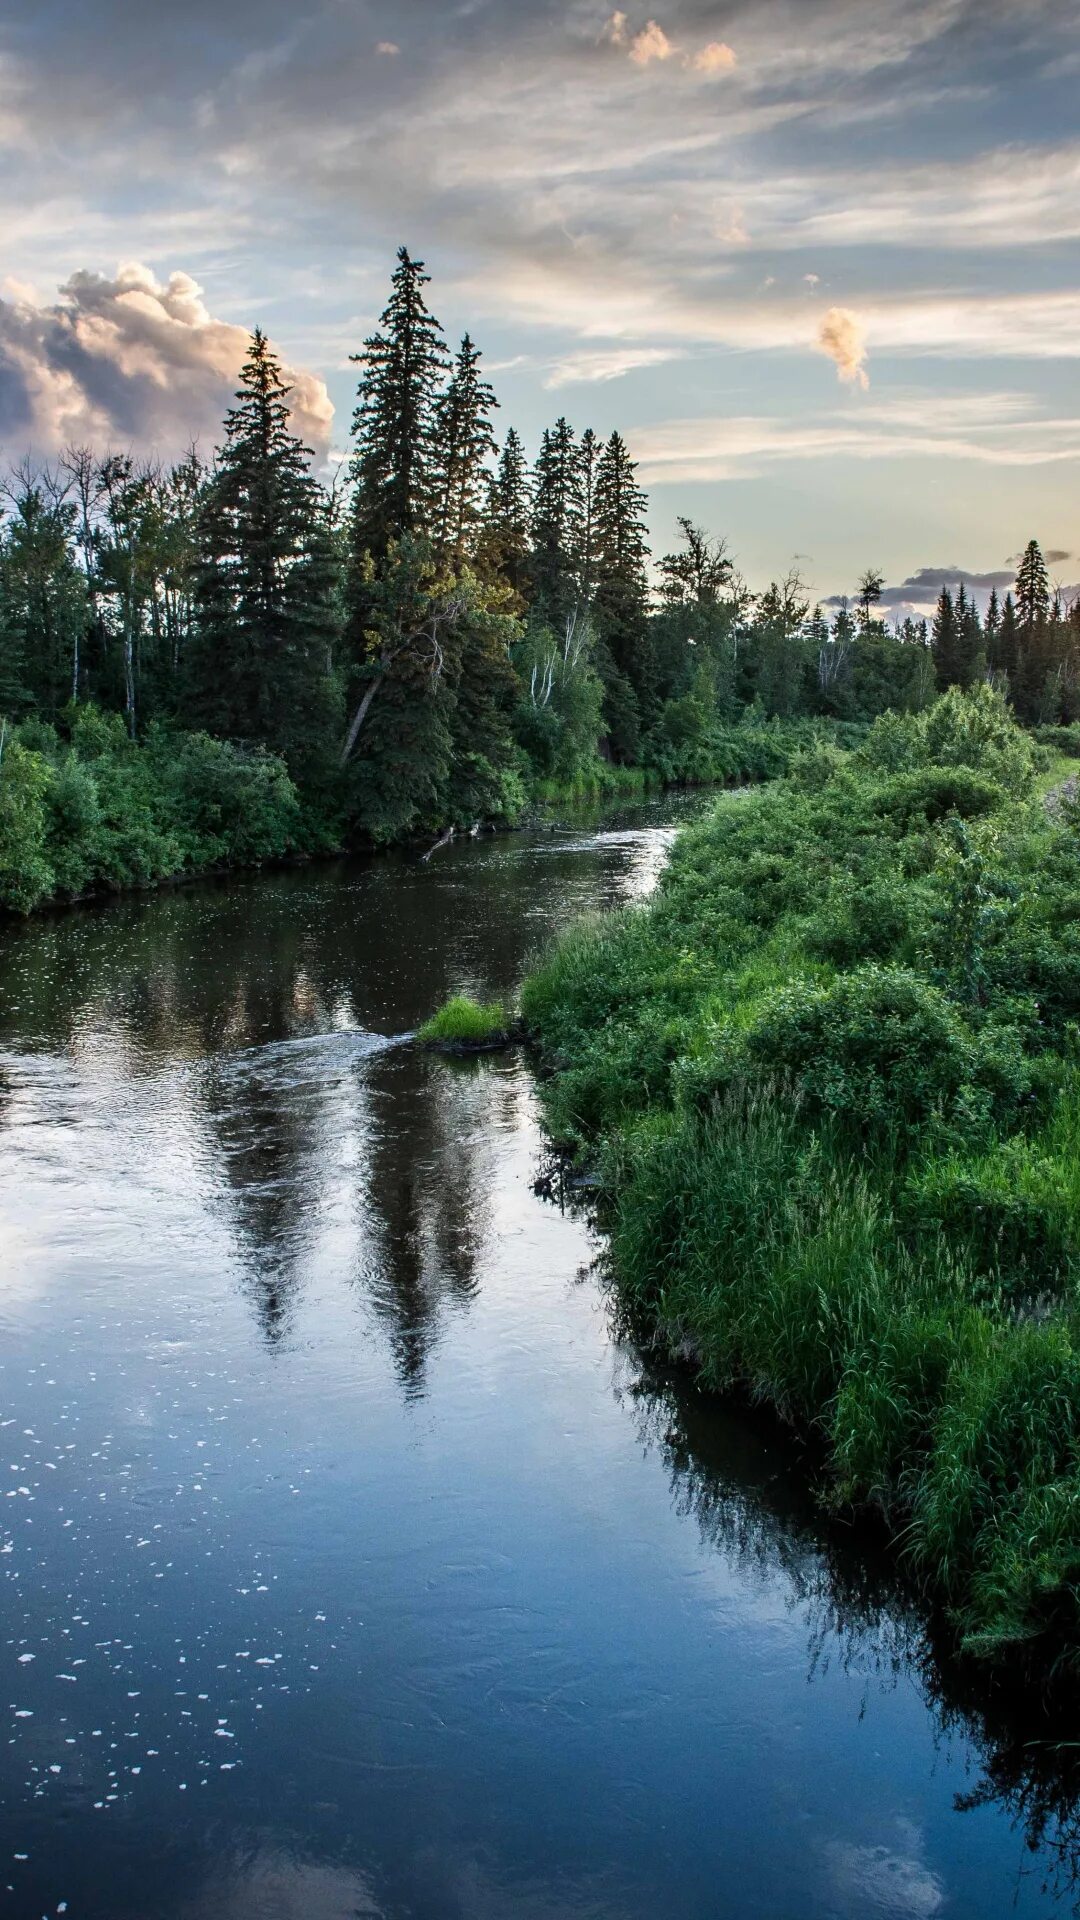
(353, 1562)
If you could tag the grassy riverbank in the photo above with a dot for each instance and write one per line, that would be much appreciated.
(829, 1073)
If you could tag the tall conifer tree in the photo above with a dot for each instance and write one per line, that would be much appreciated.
(1032, 587)
(506, 530)
(394, 425)
(944, 643)
(556, 525)
(1007, 639)
(464, 443)
(620, 604)
(266, 591)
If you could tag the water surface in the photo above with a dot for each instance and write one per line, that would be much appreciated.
(352, 1564)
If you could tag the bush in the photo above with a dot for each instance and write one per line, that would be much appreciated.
(26, 875)
(101, 813)
(879, 1047)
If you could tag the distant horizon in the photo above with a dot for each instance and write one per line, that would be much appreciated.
(818, 264)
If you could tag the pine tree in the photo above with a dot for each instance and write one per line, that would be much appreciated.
(394, 425)
(1032, 588)
(620, 604)
(1006, 644)
(463, 445)
(267, 587)
(556, 526)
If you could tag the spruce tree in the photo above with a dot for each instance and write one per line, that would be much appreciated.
(266, 592)
(394, 425)
(992, 623)
(556, 526)
(620, 603)
(1006, 645)
(505, 539)
(463, 445)
(945, 644)
(970, 656)
(1032, 588)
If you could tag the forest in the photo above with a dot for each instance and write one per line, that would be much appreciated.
(226, 661)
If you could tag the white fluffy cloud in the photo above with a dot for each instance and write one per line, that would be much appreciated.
(127, 358)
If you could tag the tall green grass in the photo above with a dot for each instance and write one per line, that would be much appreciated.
(829, 1072)
(462, 1022)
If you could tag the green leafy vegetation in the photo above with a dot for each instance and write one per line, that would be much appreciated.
(465, 1023)
(441, 636)
(829, 1074)
(93, 811)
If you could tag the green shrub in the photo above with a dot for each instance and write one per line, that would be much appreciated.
(879, 1047)
(26, 876)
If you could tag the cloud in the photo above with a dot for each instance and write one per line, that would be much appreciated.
(938, 427)
(606, 363)
(920, 590)
(716, 58)
(387, 47)
(132, 359)
(650, 44)
(841, 336)
(1054, 554)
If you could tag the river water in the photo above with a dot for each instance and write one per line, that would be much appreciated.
(352, 1563)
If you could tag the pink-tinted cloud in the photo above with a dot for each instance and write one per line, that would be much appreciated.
(841, 336)
(716, 58)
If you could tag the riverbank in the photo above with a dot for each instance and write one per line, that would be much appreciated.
(828, 1078)
(94, 813)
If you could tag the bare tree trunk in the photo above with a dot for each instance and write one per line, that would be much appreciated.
(361, 714)
(129, 643)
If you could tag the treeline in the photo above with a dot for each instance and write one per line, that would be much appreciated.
(425, 641)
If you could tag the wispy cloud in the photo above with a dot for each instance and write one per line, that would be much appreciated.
(606, 363)
(998, 431)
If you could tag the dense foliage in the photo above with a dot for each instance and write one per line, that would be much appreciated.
(830, 1071)
(435, 638)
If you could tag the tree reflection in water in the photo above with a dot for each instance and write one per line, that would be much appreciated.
(747, 1483)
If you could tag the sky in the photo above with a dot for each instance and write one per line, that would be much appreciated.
(817, 260)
